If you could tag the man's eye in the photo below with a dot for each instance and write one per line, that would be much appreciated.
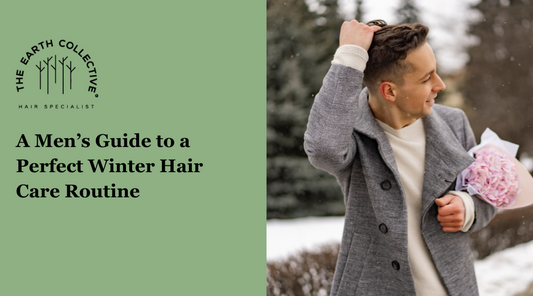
(427, 79)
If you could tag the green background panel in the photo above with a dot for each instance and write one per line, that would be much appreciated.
(176, 69)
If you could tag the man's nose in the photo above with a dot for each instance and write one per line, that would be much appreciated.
(439, 85)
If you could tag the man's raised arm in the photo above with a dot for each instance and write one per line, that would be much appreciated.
(328, 140)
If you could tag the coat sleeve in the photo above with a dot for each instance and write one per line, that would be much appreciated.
(484, 212)
(328, 140)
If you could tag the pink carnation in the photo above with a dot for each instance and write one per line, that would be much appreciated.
(494, 176)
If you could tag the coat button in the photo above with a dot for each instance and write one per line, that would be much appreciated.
(386, 185)
(383, 228)
(395, 265)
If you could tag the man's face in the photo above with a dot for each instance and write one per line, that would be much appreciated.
(417, 94)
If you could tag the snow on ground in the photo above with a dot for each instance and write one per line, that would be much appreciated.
(288, 237)
(505, 273)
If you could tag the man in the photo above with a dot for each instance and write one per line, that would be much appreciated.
(396, 156)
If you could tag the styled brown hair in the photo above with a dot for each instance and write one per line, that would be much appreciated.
(388, 51)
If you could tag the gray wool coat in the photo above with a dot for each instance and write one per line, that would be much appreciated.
(344, 139)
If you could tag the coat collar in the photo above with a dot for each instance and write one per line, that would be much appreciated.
(366, 124)
(445, 156)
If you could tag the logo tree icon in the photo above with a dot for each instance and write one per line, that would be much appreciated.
(51, 62)
(40, 71)
(47, 62)
(71, 70)
(62, 62)
(54, 66)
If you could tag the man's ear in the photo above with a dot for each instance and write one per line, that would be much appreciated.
(388, 91)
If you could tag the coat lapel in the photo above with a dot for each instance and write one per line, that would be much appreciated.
(367, 125)
(445, 159)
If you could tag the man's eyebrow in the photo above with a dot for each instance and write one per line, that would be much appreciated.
(428, 73)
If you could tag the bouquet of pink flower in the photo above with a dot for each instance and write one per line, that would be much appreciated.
(493, 175)
(496, 176)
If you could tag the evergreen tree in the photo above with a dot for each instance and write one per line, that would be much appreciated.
(300, 47)
(499, 76)
(407, 12)
(359, 12)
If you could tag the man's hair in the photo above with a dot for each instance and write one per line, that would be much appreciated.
(388, 51)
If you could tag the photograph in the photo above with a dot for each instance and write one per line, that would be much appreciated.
(399, 147)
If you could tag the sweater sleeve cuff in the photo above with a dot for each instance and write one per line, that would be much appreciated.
(470, 214)
(352, 56)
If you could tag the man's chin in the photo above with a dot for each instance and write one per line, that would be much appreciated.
(423, 114)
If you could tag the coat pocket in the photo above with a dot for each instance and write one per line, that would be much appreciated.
(355, 263)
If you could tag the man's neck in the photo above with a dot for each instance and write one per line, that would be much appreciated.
(387, 113)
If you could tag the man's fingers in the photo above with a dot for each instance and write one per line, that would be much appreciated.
(375, 28)
(451, 229)
(356, 33)
(451, 224)
(449, 209)
(449, 218)
(450, 213)
(444, 200)
(345, 24)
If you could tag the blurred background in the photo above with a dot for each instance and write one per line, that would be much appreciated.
(484, 50)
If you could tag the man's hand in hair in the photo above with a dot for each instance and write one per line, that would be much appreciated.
(357, 33)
